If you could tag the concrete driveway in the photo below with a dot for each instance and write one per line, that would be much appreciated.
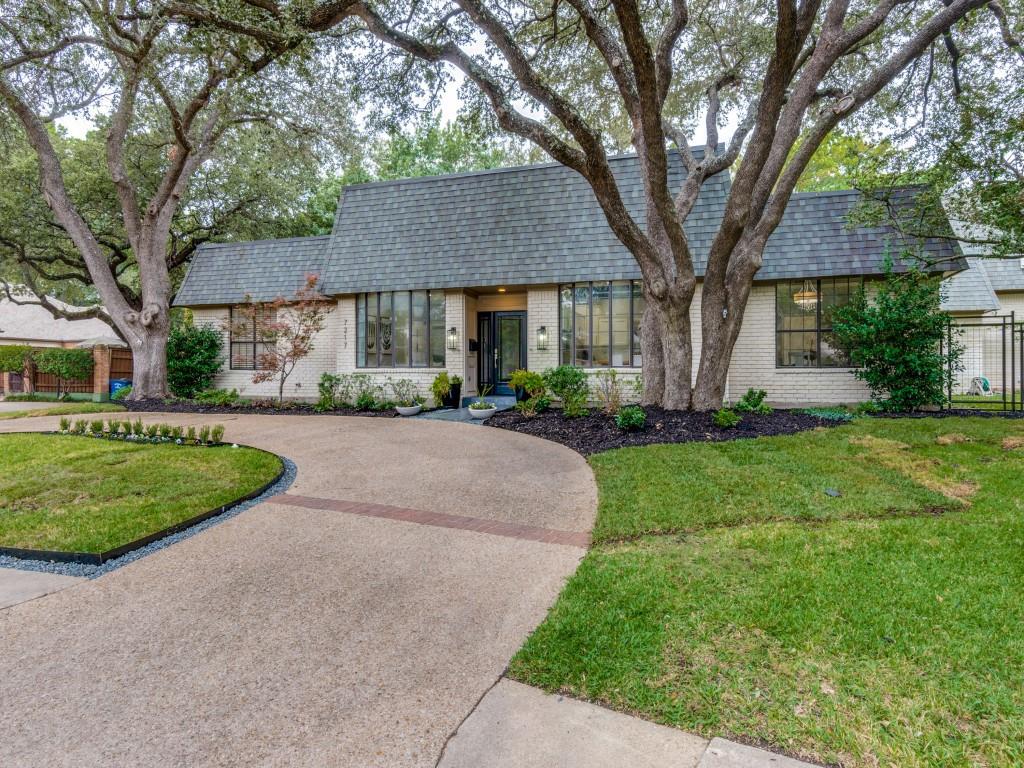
(355, 621)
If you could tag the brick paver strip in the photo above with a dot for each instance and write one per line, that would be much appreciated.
(438, 519)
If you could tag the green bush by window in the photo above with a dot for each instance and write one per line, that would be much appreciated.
(899, 341)
(569, 384)
(753, 402)
(193, 358)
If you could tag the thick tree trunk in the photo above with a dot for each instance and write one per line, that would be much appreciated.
(722, 309)
(149, 366)
(667, 349)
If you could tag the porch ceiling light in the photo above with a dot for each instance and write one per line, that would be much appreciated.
(453, 338)
(806, 297)
(542, 338)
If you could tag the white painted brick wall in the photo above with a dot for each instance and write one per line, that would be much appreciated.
(753, 363)
(301, 384)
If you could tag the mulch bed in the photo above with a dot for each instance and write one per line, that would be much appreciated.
(262, 407)
(597, 432)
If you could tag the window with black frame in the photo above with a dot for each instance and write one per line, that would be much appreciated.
(400, 329)
(247, 347)
(803, 321)
(599, 324)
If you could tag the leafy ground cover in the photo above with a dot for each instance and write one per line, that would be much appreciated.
(850, 595)
(67, 409)
(76, 494)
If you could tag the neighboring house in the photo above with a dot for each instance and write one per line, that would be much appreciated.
(33, 326)
(482, 273)
(986, 302)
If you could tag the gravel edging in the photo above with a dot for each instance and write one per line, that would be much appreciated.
(93, 571)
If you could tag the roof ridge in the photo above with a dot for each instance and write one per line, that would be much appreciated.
(296, 238)
(501, 169)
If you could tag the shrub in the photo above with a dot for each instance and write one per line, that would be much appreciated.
(217, 433)
(608, 390)
(65, 424)
(219, 397)
(190, 435)
(726, 418)
(96, 426)
(66, 365)
(569, 384)
(630, 417)
(753, 402)
(531, 382)
(829, 414)
(121, 394)
(898, 341)
(531, 406)
(440, 387)
(137, 429)
(193, 358)
(13, 357)
(867, 408)
(113, 426)
(80, 426)
(366, 392)
(165, 430)
(204, 434)
(405, 392)
(151, 430)
(177, 432)
(336, 390)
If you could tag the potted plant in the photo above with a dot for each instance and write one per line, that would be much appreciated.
(407, 402)
(481, 408)
(526, 384)
(446, 390)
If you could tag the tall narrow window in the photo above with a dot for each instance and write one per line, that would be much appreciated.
(581, 325)
(601, 319)
(639, 305)
(387, 332)
(372, 358)
(400, 307)
(803, 321)
(361, 330)
(565, 311)
(620, 324)
(437, 329)
(420, 328)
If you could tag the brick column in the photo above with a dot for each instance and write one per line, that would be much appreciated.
(101, 373)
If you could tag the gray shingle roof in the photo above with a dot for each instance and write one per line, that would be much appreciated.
(224, 273)
(514, 226)
(970, 290)
(1005, 274)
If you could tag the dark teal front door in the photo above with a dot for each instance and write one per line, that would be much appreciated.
(502, 349)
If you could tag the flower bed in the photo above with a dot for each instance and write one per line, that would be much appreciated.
(257, 407)
(598, 432)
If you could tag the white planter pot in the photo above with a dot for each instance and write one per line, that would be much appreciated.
(482, 413)
(408, 410)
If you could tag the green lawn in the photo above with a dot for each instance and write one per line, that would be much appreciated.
(76, 494)
(65, 409)
(728, 594)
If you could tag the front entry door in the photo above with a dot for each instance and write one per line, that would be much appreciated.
(502, 349)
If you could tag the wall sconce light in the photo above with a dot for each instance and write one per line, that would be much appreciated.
(453, 338)
(542, 338)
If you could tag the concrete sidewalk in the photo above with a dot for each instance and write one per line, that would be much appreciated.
(516, 726)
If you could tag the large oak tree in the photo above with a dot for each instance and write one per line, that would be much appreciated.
(167, 93)
(574, 76)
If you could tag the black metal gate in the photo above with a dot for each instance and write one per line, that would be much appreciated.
(990, 372)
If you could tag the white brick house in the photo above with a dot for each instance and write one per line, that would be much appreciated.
(485, 272)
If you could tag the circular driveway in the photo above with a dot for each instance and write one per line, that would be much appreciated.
(355, 621)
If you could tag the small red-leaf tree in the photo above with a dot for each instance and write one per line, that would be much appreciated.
(285, 328)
